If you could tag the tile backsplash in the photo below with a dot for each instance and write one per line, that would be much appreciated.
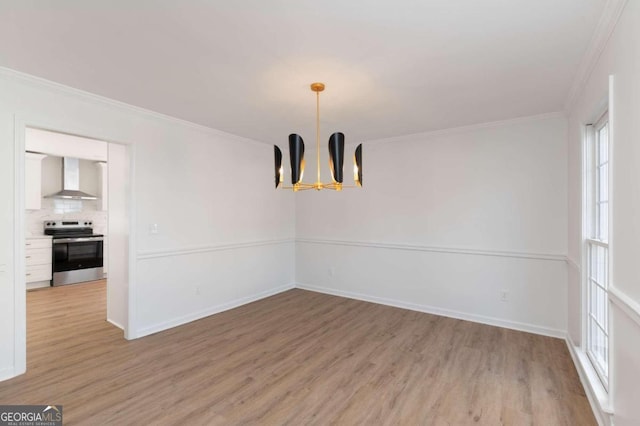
(56, 209)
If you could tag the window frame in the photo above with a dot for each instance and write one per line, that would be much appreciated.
(592, 239)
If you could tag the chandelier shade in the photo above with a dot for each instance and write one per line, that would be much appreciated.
(296, 154)
(336, 158)
(357, 165)
(278, 163)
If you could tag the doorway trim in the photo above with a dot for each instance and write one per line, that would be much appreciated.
(19, 237)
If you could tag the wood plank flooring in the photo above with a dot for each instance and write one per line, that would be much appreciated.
(294, 358)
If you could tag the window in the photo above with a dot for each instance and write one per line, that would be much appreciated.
(597, 246)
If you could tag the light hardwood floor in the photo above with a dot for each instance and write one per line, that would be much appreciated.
(294, 358)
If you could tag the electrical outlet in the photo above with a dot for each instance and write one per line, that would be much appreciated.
(331, 271)
(197, 290)
(504, 295)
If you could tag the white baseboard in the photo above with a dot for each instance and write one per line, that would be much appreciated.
(599, 406)
(38, 284)
(211, 310)
(112, 322)
(8, 373)
(530, 328)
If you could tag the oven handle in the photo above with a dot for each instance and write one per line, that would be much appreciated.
(76, 240)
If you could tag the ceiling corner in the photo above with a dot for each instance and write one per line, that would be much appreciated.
(606, 25)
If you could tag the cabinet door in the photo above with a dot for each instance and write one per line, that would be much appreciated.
(38, 273)
(33, 181)
(33, 243)
(38, 256)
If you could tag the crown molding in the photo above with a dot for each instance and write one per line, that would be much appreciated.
(39, 82)
(469, 128)
(606, 25)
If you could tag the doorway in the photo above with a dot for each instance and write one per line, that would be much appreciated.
(116, 223)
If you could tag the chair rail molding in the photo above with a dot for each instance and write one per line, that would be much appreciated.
(573, 263)
(626, 304)
(182, 251)
(435, 249)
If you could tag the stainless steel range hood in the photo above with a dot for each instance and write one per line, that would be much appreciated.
(71, 182)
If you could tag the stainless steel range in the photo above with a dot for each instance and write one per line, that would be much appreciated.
(77, 251)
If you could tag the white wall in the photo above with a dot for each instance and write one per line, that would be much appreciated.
(210, 193)
(445, 223)
(448, 221)
(620, 59)
(7, 336)
(117, 251)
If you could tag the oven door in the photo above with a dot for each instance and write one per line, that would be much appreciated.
(77, 259)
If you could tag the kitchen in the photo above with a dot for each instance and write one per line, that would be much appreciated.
(66, 209)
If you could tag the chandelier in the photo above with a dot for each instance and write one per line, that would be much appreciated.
(336, 158)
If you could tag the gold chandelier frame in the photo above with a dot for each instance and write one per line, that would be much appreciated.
(336, 157)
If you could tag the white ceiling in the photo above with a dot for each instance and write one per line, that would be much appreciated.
(391, 67)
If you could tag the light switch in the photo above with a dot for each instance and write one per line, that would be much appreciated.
(153, 229)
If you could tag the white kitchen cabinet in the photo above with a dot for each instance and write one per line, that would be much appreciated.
(33, 180)
(103, 180)
(38, 257)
